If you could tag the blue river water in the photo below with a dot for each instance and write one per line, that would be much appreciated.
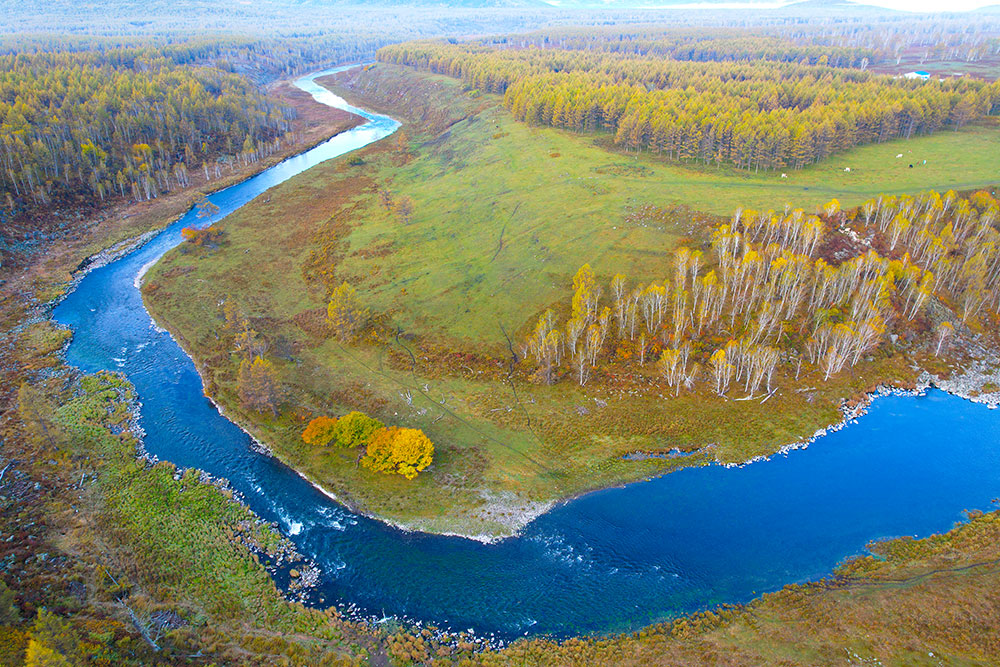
(611, 560)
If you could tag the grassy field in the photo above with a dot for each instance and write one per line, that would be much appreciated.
(500, 216)
(506, 208)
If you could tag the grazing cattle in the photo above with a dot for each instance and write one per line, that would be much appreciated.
(899, 156)
(847, 168)
(784, 175)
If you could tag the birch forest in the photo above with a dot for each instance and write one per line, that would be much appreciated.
(765, 298)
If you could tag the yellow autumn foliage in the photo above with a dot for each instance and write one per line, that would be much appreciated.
(402, 451)
(345, 312)
(319, 431)
(40, 655)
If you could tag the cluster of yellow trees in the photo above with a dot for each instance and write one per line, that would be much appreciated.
(700, 44)
(388, 449)
(760, 296)
(954, 238)
(753, 114)
(391, 450)
(124, 122)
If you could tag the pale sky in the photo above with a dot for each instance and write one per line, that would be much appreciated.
(901, 5)
(933, 5)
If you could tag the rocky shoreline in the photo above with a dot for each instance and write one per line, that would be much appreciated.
(979, 382)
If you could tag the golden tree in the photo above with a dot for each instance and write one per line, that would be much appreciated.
(258, 386)
(402, 451)
(345, 313)
(944, 331)
(402, 142)
(671, 369)
(205, 208)
(355, 428)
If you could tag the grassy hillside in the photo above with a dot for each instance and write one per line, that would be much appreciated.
(458, 236)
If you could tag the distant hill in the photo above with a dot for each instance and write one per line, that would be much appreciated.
(121, 8)
(825, 4)
(656, 4)
(416, 3)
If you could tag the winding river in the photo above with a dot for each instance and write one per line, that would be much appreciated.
(612, 560)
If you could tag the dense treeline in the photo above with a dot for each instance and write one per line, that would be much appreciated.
(130, 122)
(262, 59)
(266, 39)
(956, 37)
(761, 299)
(855, 41)
(259, 58)
(700, 45)
(753, 115)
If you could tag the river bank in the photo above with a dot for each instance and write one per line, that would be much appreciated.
(512, 515)
(32, 288)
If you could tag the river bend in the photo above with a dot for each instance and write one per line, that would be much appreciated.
(611, 560)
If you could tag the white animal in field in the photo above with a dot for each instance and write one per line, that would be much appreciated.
(847, 168)
(784, 175)
(899, 156)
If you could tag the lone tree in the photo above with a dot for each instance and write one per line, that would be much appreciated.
(204, 207)
(345, 313)
(258, 386)
(671, 368)
(401, 451)
(832, 208)
(945, 330)
(402, 142)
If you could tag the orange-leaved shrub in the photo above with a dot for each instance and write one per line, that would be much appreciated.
(319, 431)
